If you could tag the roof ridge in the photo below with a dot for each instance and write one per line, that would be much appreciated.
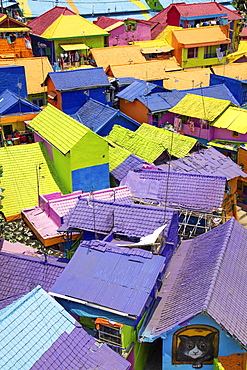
(218, 264)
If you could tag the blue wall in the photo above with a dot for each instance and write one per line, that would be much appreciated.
(227, 345)
(121, 121)
(22, 108)
(95, 177)
(73, 100)
(11, 77)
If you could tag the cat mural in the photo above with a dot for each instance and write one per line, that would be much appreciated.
(195, 349)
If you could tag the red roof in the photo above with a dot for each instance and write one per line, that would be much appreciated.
(104, 22)
(41, 23)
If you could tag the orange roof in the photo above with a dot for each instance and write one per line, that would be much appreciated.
(201, 36)
(233, 70)
(187, 79)
(236, 361)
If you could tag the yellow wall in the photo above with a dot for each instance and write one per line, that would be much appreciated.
(199, 61)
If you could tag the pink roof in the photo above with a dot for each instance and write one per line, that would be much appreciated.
(17, 248)
(202, 9)
(41, 23)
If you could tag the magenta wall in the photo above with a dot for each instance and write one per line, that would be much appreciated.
(221, 133)
(38, 139)
(119, 36)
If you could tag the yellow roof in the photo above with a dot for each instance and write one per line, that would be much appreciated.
(234, 119)
(153, 70)
(113, 26)
(187, 79)
(233, 70)
(201, 36)
(67, 26)
(19, 179)
(15, 29)
(200, 107)
(36, 70)
(166, 34)
(242, 51)
(117, 55)
(151, 43)
(69, 47)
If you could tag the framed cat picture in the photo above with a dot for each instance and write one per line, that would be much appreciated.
(195, 345)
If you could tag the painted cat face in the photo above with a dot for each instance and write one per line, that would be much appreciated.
(195, 346)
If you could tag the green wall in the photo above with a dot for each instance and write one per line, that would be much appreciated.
(199, 61)
(62, 165)
(91, 150)
(91, 42)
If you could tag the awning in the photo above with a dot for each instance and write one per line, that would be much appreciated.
(163, 49)
(52, 94)
(69, 47)
(15, 29)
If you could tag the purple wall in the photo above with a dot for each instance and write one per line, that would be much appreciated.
(119, 36)
(38, 139)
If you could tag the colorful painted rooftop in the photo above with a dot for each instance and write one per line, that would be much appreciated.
(233, 119)
(37, 333)
(20, 164)
(219, 283)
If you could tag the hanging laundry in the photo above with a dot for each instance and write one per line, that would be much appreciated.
(177, 124)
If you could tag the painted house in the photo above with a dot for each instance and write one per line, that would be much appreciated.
(69, 90)
(155, 49)
(201, 47)
(149, 143)
(48, 337)
(124, 32)
(27, 171)
(116, 222)
(66, 48)
(237, 87)
(15, 40)
(14, 111)
(204, 289)
(198, 15)
(21, 273)
(36, 69)
(146, 102)
(213, 163)
(79, 155)
(101, 118)
(195, 114)
(95, 287)
(50, 214)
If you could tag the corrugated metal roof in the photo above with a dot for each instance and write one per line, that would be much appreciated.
(193, 191)
(200, 107)
(220, 91)
(218, 283)
(79, 79)
(59, 129)
(20, 179)
(201, 36)
(114, 277)
(137, 89)
(234, 119)
(50, 338)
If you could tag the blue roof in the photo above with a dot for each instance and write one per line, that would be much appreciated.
(79, 79)
(8, 100)
(137, 89)
(220, 91)
(119, 278)
(20, 274)
(37, 333)
(132, 162)
(13, 78)
(187, 190)
(92, 110)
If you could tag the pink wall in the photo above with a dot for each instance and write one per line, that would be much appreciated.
(38, 139)
(119, 36)
(221, 133)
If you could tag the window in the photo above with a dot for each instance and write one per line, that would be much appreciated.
(38, 102)
(130, 25)
(210, 52)
(192, 53)
(234, 134)
(110, 334)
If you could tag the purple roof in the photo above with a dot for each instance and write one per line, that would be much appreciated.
(193, 191)
(118, 278)
(207, 162)
(207, 273)
(130, 163)
(131, 220)
(20, 274)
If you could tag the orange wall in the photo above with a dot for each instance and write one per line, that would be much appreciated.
(230, 200)
(51, 87)
(17, 48)
(136, 110)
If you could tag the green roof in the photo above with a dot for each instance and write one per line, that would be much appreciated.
(19, 180)
(176, 144)
(59, 129)
(117, 155)
(200, 107)
(140, 146)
